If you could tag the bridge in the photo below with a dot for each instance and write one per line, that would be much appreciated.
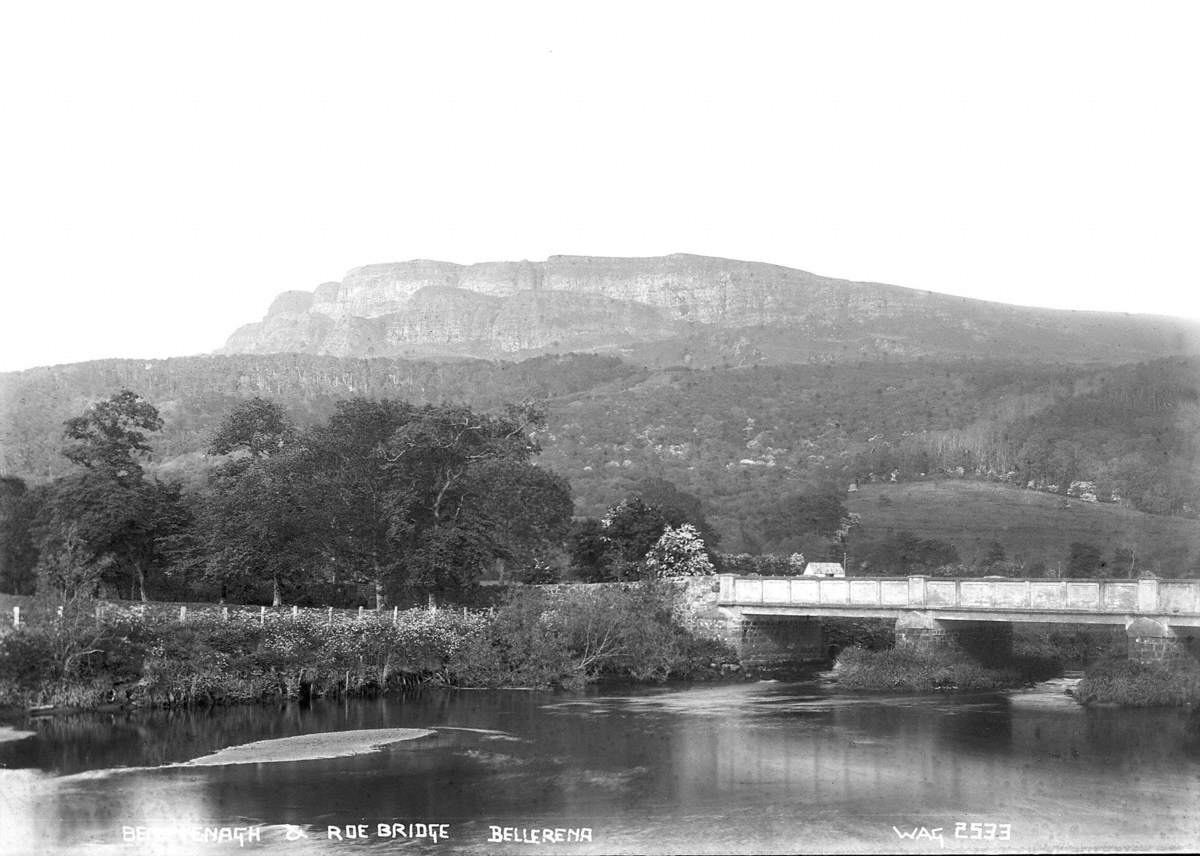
(778, 618)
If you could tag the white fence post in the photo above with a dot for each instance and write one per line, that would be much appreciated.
(225, 613)
(16, 616)
(295, 611)
(262, 616)
(360, 609)
(182, 614)
(329, 619)
(395, 615)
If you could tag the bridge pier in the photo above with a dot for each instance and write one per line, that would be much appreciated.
(987, 642)
(770, 640)
(1153, 641)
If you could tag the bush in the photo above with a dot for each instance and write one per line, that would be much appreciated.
(571, 636)
(1125, 682)
(909, 670)
(210, 660)
(770, 565)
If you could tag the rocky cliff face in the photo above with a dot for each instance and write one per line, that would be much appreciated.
(678, 307)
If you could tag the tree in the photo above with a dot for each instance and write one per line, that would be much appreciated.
(261, 520)
(104, 522)
(111, 434)
(589, 551)
(814, 523)
(631, 528)
(677, 506)
(106, 515)
(679, 552)
(257, 426)
(905, 553)
(461, 484)
(426, 497)
(18, 555)
(68, 570)
(1083, 560)
(526, 508)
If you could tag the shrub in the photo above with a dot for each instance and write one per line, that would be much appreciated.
(769, 565)
(1125, 682)
(568, 637)
(909, 670)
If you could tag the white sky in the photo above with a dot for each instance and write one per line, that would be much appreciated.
(166, 168)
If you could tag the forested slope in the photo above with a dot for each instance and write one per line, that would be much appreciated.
(738, 437)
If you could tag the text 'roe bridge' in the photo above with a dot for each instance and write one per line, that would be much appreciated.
(779, 617)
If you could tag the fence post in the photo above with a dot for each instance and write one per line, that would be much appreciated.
(295, 611)
(182, 614)
(16, 616)
(225, 613)
(329, 620)
(395, 615)
(360, 613)
(262, 616)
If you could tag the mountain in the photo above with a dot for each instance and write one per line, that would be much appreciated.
(678, 309)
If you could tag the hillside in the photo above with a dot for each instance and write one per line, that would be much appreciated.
(678, 309)
(739, 438)
(1031, 526)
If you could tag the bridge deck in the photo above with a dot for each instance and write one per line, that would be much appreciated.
(1082, 601)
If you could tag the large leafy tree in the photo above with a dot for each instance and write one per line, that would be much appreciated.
(260, 522)
(526, 508)
(104, 518)
(463, 491)
(258, 426)
(110, 436)
(347, 459)
(113, 524)
(423, 498)
(679, 552)
(632, 527)
(257, 521)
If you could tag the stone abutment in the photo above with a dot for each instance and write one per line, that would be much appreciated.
(989, 643)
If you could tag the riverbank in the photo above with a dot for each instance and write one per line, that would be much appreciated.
(1124, 682)
(1112, 680)
(535, 639)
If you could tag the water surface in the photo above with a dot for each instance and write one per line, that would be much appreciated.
(731, 768)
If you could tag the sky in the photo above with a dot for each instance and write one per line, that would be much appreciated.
(166, 169)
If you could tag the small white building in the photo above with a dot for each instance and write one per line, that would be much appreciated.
(824, 569)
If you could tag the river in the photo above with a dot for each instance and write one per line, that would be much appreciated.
(750, 767)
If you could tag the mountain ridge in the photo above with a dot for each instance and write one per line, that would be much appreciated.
(685, 308)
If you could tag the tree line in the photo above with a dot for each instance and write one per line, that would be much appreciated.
(408, 500)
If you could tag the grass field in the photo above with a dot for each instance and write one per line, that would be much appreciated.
(1032, 526)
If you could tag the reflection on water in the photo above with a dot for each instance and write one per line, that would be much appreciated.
(780, 767)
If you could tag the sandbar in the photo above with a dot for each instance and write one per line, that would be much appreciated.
(304, 747)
